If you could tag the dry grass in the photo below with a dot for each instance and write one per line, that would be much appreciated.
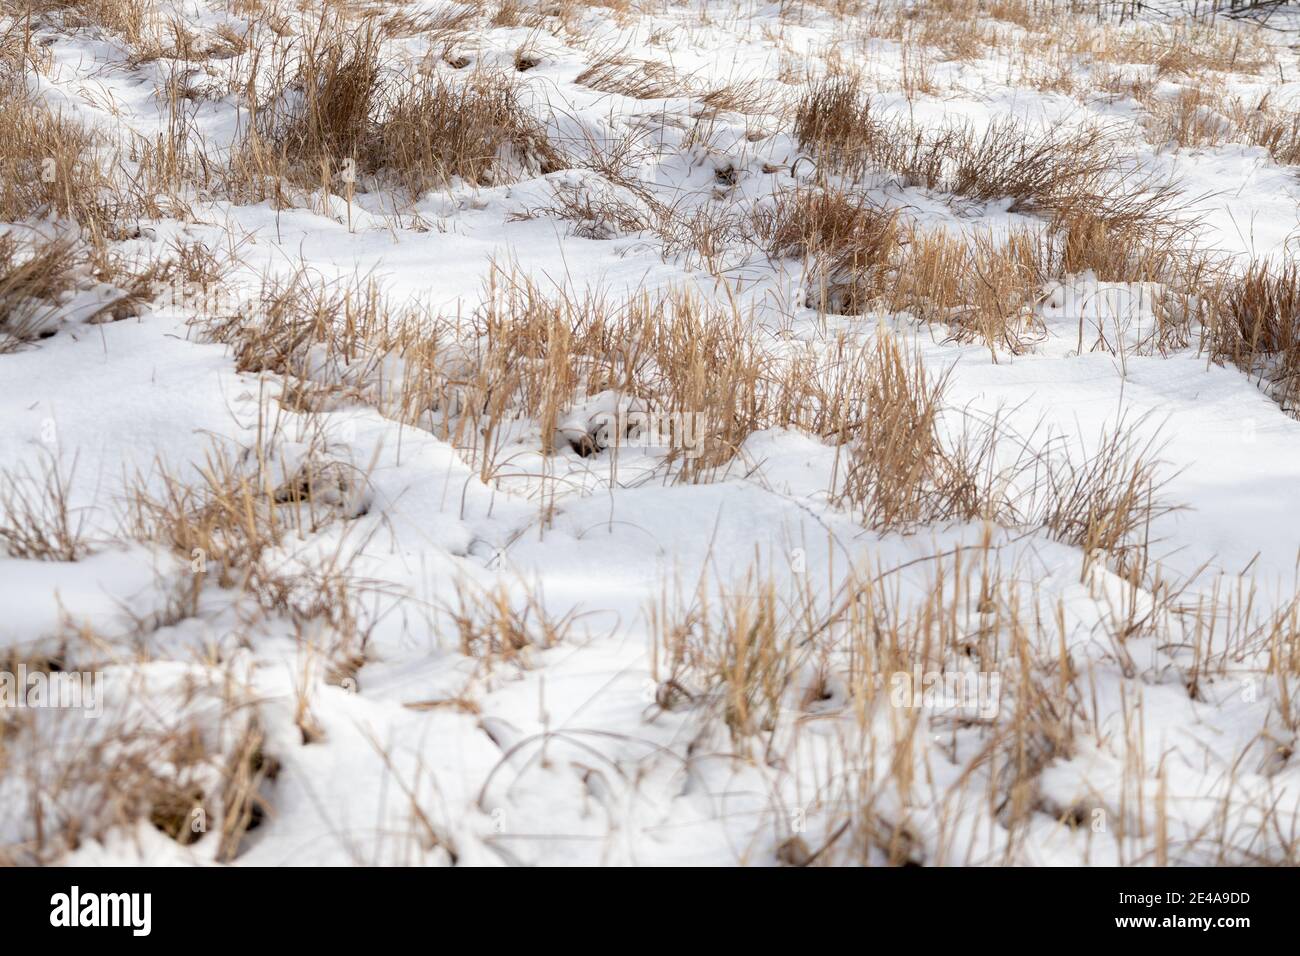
(54, 166)
(636, 78)
(983, 289)
(171, 169)
(1187, 49)
(1254, 321)
(135, 21)
(31, 279)
(729, 654)
(846, 243)
(334, 344)
(674, 354)
(202, 770)
(987, 288)
(907, 469)
(439, 28)
(340, 121)
(859, 257)
(475, 130)
(834, 123)
(226, 525)
(247, 506)
(38, 276)
(1062, 172)
(237, 520)
(318, 114)
(1081, 35)
(766, 659)
(37, 520)
(735, 654)
(50, 168)
(530, 357)
(749, 98)
(1190, 119)
(597, 210)
(494, 628)
(1275, 129)
(172, 39)
(900, 474)
(18, 55)
(340, 89)
(1105, 502)
(1197, 117)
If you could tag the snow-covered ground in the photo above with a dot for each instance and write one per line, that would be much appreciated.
(332, 627)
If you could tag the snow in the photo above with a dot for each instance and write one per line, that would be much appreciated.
(564, 753)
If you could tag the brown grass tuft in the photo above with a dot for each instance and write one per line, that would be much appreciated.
(37, 521)
(49, 168)
(475, 130)
(341, 122)
(31, 279)
(1062, 171)
(846, 243)
(1255, 322)
(639, 79)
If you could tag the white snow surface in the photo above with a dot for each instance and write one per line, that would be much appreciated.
(421, 753)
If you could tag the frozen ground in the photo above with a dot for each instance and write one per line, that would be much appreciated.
(497, 648)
